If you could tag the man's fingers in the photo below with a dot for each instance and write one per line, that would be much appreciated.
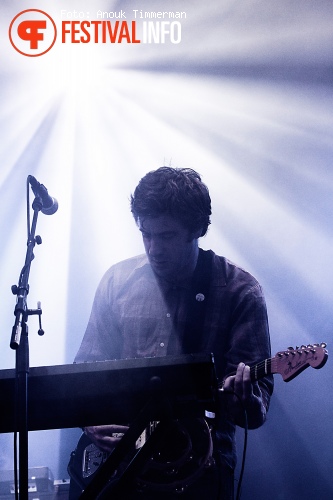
(240, 383)
(106, 436)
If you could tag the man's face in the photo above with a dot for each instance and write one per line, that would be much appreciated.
(170, 247)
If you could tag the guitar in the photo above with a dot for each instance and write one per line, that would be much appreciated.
(183, 456)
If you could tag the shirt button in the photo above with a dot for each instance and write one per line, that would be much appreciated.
(162, 344)
(168, 315)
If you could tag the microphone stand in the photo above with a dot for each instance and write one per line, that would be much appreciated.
(19, 342)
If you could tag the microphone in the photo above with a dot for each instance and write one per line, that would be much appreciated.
(50, 205)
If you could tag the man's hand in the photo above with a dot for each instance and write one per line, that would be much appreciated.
(245, 396)
(105, 436)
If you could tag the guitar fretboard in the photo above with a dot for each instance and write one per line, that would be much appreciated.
(261, 369)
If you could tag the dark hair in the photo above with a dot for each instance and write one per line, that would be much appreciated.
(178, 192)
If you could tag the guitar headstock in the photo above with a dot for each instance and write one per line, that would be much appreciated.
(291, 362)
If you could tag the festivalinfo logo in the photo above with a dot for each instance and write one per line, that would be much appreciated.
(32, 32)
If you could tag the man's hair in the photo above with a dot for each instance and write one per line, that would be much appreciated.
(178, 192)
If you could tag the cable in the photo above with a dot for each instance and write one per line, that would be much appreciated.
(241, 474)
(16, 489)
(240, 480)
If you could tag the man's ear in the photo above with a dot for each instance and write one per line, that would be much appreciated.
(196, 235)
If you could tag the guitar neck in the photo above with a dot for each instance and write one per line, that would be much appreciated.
(262, 369)
(258, 371)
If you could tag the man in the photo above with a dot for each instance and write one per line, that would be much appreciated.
(179, 299)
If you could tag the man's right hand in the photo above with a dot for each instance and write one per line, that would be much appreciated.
(105, 437)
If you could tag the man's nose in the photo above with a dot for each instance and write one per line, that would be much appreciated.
(155, 248)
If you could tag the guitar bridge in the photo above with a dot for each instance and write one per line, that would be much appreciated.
(92, 458)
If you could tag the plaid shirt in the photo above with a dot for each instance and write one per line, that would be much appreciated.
(135, 314)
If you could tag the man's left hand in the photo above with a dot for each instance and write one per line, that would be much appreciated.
(245, 396)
